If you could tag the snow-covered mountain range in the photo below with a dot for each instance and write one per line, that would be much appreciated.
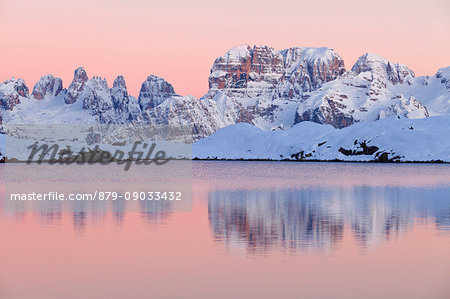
(282, 88)
(271, 89)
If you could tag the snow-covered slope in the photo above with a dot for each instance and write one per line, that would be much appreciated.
(205, 117)
(390, 139)
(433, 92)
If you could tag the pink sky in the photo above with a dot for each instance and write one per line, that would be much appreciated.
(179, 40)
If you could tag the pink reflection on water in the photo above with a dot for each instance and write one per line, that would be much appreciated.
(262, 230)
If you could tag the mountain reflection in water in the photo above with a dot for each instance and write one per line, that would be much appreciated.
(293, 220)
(258, 207)
(83, 213)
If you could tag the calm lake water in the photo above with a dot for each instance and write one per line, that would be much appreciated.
(251, 229)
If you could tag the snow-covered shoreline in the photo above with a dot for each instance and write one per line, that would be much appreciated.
(387, 140)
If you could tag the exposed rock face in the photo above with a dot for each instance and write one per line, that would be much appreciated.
(329, 112)
(154, 91)
(307, 69)
(381, 69)
(364, 94)
(228, 111)
(119, 96)
(119, 93)
(310, 84)
(241, 66)
(432, 91)
(126, 106)
(11, 91)
(134, 110)
(97, 99)
(77, 86)
(161, 105)
(261, 70)
(203, 116)
(183, 111)
(47, 86)
(270, 84)
(410, 108)
(94, 94)
(20, 87)
(444, 75)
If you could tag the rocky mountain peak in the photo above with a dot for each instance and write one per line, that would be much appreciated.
(99, 81)
(97, 99)
(154, 91)
(382, 69)
(307, 69)
(76, 87)
(47, 85)
(80, 75)
(444, 75)
(10, 92)
(17, 85)
(119, 95)
(238, 52)
(242, 65)
(262, 70)
(372, 90)
(119, 82)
